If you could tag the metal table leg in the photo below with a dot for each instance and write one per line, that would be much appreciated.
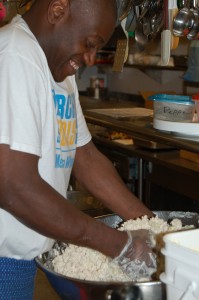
(140, 178)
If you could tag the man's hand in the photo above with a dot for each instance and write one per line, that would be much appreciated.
(137, 259)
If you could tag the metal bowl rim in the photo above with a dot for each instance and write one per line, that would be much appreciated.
(116, 283)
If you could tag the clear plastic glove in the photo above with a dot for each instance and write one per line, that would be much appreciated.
(137, 259)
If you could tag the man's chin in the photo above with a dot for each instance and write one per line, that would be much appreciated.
(61, 77)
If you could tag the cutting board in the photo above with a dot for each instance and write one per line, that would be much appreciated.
(119, 113)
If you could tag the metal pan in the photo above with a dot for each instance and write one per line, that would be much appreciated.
(74, 289)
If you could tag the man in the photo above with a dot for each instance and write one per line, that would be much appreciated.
(43, 137)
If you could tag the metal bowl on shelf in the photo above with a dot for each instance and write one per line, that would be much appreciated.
(74, 289)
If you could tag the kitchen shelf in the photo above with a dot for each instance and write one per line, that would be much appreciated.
(166, 158)
(156, 67)
(146, 67)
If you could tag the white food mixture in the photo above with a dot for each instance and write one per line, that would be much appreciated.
(87, 264)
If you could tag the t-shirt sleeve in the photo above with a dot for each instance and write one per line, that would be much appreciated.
(21, 92)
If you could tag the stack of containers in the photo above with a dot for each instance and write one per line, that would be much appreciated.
(181, 274)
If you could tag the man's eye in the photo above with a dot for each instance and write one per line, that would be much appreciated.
(93, 46)
(90, 45)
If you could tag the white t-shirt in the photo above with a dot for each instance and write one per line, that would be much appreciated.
(37, 116)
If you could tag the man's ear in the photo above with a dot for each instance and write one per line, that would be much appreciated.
(57, 9)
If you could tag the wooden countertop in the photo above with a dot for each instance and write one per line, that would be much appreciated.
(139, 127)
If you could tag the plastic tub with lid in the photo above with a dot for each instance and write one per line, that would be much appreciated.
(181, 276)
(173, 108)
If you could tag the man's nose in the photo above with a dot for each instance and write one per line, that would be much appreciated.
(90, 57)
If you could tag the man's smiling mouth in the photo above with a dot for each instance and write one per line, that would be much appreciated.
(74, 65)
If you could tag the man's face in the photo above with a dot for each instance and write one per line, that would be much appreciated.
(76, 41)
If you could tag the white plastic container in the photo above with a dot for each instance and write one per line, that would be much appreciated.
(173, 108)
(181, 274)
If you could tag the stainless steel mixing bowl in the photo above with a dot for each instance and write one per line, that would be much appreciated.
(75, 289)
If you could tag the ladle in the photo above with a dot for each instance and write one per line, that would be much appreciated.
(194, 32)
(183, 22)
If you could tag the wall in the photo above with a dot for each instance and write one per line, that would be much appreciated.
(134, 80)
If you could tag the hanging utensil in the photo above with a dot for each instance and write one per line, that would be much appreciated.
(140, 38)
(183, 22)
(165, 47)
(149, 22)
(165, 38)
(194, 32)
(172, 12)
(131, 21)
(121, 53)
(144, 8)
(123, 8)
(157, 24)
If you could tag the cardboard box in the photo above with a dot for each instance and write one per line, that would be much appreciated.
(146, 94)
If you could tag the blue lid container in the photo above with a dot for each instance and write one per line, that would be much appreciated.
(178, 99)
(173, 108)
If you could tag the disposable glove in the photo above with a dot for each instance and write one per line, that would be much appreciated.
(137, 259)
